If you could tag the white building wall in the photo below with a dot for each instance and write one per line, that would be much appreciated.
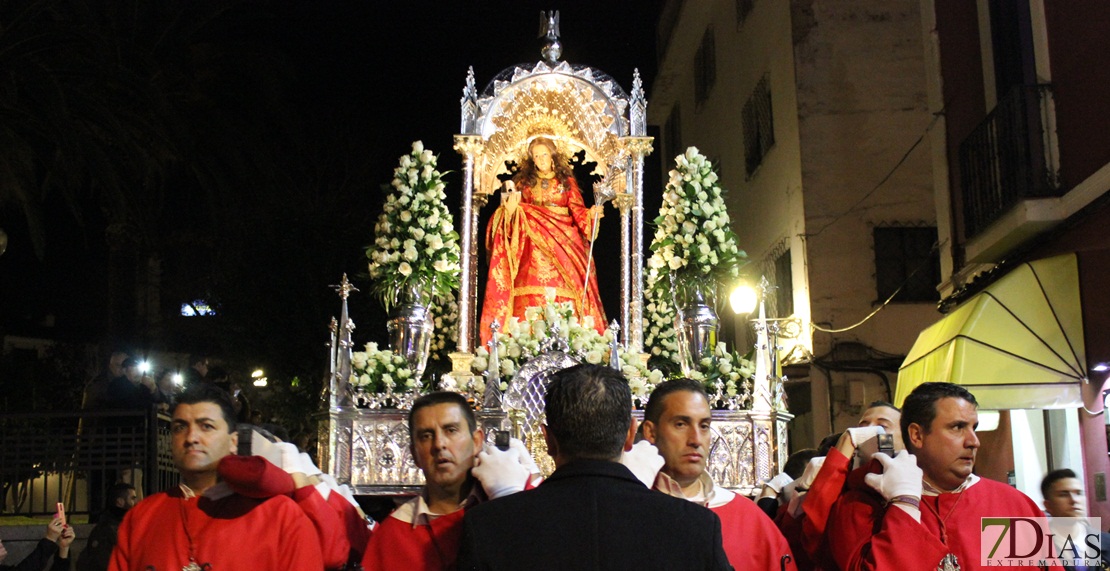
(848, 97)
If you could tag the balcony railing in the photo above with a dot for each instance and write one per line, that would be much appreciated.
(1008, 158)
(75, 457)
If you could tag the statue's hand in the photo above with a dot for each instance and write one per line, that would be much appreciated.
(511, 201)
(597, 212)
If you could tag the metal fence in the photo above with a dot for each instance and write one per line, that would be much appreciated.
(1008, 157)
(74, 458)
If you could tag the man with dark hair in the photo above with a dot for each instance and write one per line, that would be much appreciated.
(592, 513)
(197, 372)
(922, 509)
(202, 524)
(102, 539)
(1065, 501)
(677, 420)
(445, 442)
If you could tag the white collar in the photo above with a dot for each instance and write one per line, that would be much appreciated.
(710, 496)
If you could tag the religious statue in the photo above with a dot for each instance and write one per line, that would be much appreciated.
(538, 242)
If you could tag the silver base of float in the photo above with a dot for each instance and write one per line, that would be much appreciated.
(369, 449)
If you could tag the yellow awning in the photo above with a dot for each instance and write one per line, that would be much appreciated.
(1017, 344)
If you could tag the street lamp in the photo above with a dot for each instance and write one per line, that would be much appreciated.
(743, 299)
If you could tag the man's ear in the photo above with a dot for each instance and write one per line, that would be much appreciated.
(630, 439)
(234, 441)
(479, 438)
(649, 431)
(549, 440)
(917, 437)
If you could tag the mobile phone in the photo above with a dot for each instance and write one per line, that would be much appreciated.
(886, 444)
(61, 513)
(501, 439)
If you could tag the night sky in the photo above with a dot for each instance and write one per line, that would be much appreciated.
(272, 127)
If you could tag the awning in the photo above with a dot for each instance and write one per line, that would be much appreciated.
(1017, 344)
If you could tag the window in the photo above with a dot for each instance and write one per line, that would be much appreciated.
(743, 8)
(759, 127)
(784, 282)
(672, 138)
(705, 69)
(905, 258)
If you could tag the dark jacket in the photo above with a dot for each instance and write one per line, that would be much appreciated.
(36, 561)
(591, 515)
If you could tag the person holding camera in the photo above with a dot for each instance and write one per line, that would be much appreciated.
(459, 472)
(922, 509)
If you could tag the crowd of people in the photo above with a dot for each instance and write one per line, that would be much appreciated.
(897, 492)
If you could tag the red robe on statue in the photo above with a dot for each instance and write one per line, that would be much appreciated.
(541, 246)
(865, 535)
(231, 532)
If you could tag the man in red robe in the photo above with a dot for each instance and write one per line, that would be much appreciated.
(677, 420)
(922, 509)
(423, 534)
(203, 524)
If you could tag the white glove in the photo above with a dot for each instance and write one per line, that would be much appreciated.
(810, 473)
(290, 457)
(526, 459)
(778, 482)
(644, 460)
(307, 467)
(500, 471)
(860, 434)
(900, 477)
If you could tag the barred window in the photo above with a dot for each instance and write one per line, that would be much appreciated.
(784, 283)
(705, 69)
(672, 138)
(743, 8)
(904, 257)
(759, 125)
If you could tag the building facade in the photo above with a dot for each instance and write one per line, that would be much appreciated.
(817, 116)
(1021, 168)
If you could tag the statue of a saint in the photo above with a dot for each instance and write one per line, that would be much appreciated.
(538, 242)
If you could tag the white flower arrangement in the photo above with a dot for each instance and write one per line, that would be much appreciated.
(728, 378)
(445, 336)
(519, 341)
(380, 371)
(693, 235)
(694, 248)
(415, 243)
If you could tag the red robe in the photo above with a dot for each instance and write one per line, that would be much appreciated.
(543, 244)
(750, 538)
(232, 532)
(357, 532)
(862, 534)
(429, 545)
(330, 530)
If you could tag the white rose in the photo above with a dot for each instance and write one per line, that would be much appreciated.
(406, 216)
(386, 379)
(418, 233)
(675, 263)
(593, 357)
(427, 156)
(411, 254)
(404, 269)
(441, 265)
(417, 147)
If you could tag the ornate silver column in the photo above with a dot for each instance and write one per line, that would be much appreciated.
(469, 146)
(638, 147)
(623, 202)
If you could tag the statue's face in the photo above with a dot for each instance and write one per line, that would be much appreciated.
(541, 157)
